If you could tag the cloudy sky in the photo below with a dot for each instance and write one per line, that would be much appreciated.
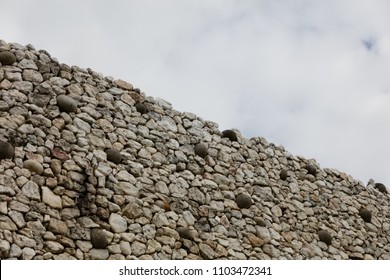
(313, 76)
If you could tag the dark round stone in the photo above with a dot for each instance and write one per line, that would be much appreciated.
(141, 108)
(365, 214)
(244, 200)
(7, 58)
(283, 174)
(311, 169)
(229, 134)
(380, 187)
(66, 104)
(200, 150)
(325, 237)
(113, 156)
(98, 239)
(6, 150)
(184, 232)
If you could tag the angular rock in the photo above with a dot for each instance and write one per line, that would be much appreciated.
(123, 84)
(132, 211)
(17, 218)
(98, 254)
(206, 252)
(57, 226)
(31, 190)
(51, 199)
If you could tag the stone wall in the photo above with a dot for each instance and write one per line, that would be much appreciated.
(92, 168)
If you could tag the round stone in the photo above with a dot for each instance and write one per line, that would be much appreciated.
(98, 239)
(7, 58)
(311, 169)
(33, 166)
(6, 150)
(365, 214)
(66, 104)
(113, 156)
(184, 232)
(200, 150)
(244, 201)
(141, 108)
(380, 187)
(283, 174)
(229, 134)
(325, 237)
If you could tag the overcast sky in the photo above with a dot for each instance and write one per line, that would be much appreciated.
(313, 76)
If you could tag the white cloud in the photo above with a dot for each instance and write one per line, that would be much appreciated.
(296, 72)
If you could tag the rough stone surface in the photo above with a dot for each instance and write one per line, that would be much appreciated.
(117, 223)
(175, 187)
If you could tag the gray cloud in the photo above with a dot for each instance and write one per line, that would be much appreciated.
(309, 75)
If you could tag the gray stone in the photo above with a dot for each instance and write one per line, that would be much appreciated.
(196, 195)
(206, 252)
(7, 224)
(32, 76)
(57, 81)
(84, 246)
(27, 64)
(264, 234)
(17, 218)
(15, 251)
(31, 190)
(168, 124)
(99, 254)
(132, 211)
(82, 125)
(103, 169)
(28, 253)
(160, 220)
(149, 231)
(163, 103)
(50, 198)
(127, 188)
(12, 76)
(6, 190)
(118, 223)
(189, 218)
(277, 211)
(4, 248)
(138, 248)
(23, 86)
(125, 248)
(54, 247)
(3, 207)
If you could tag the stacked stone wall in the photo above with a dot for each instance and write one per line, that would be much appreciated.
(92, 168)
